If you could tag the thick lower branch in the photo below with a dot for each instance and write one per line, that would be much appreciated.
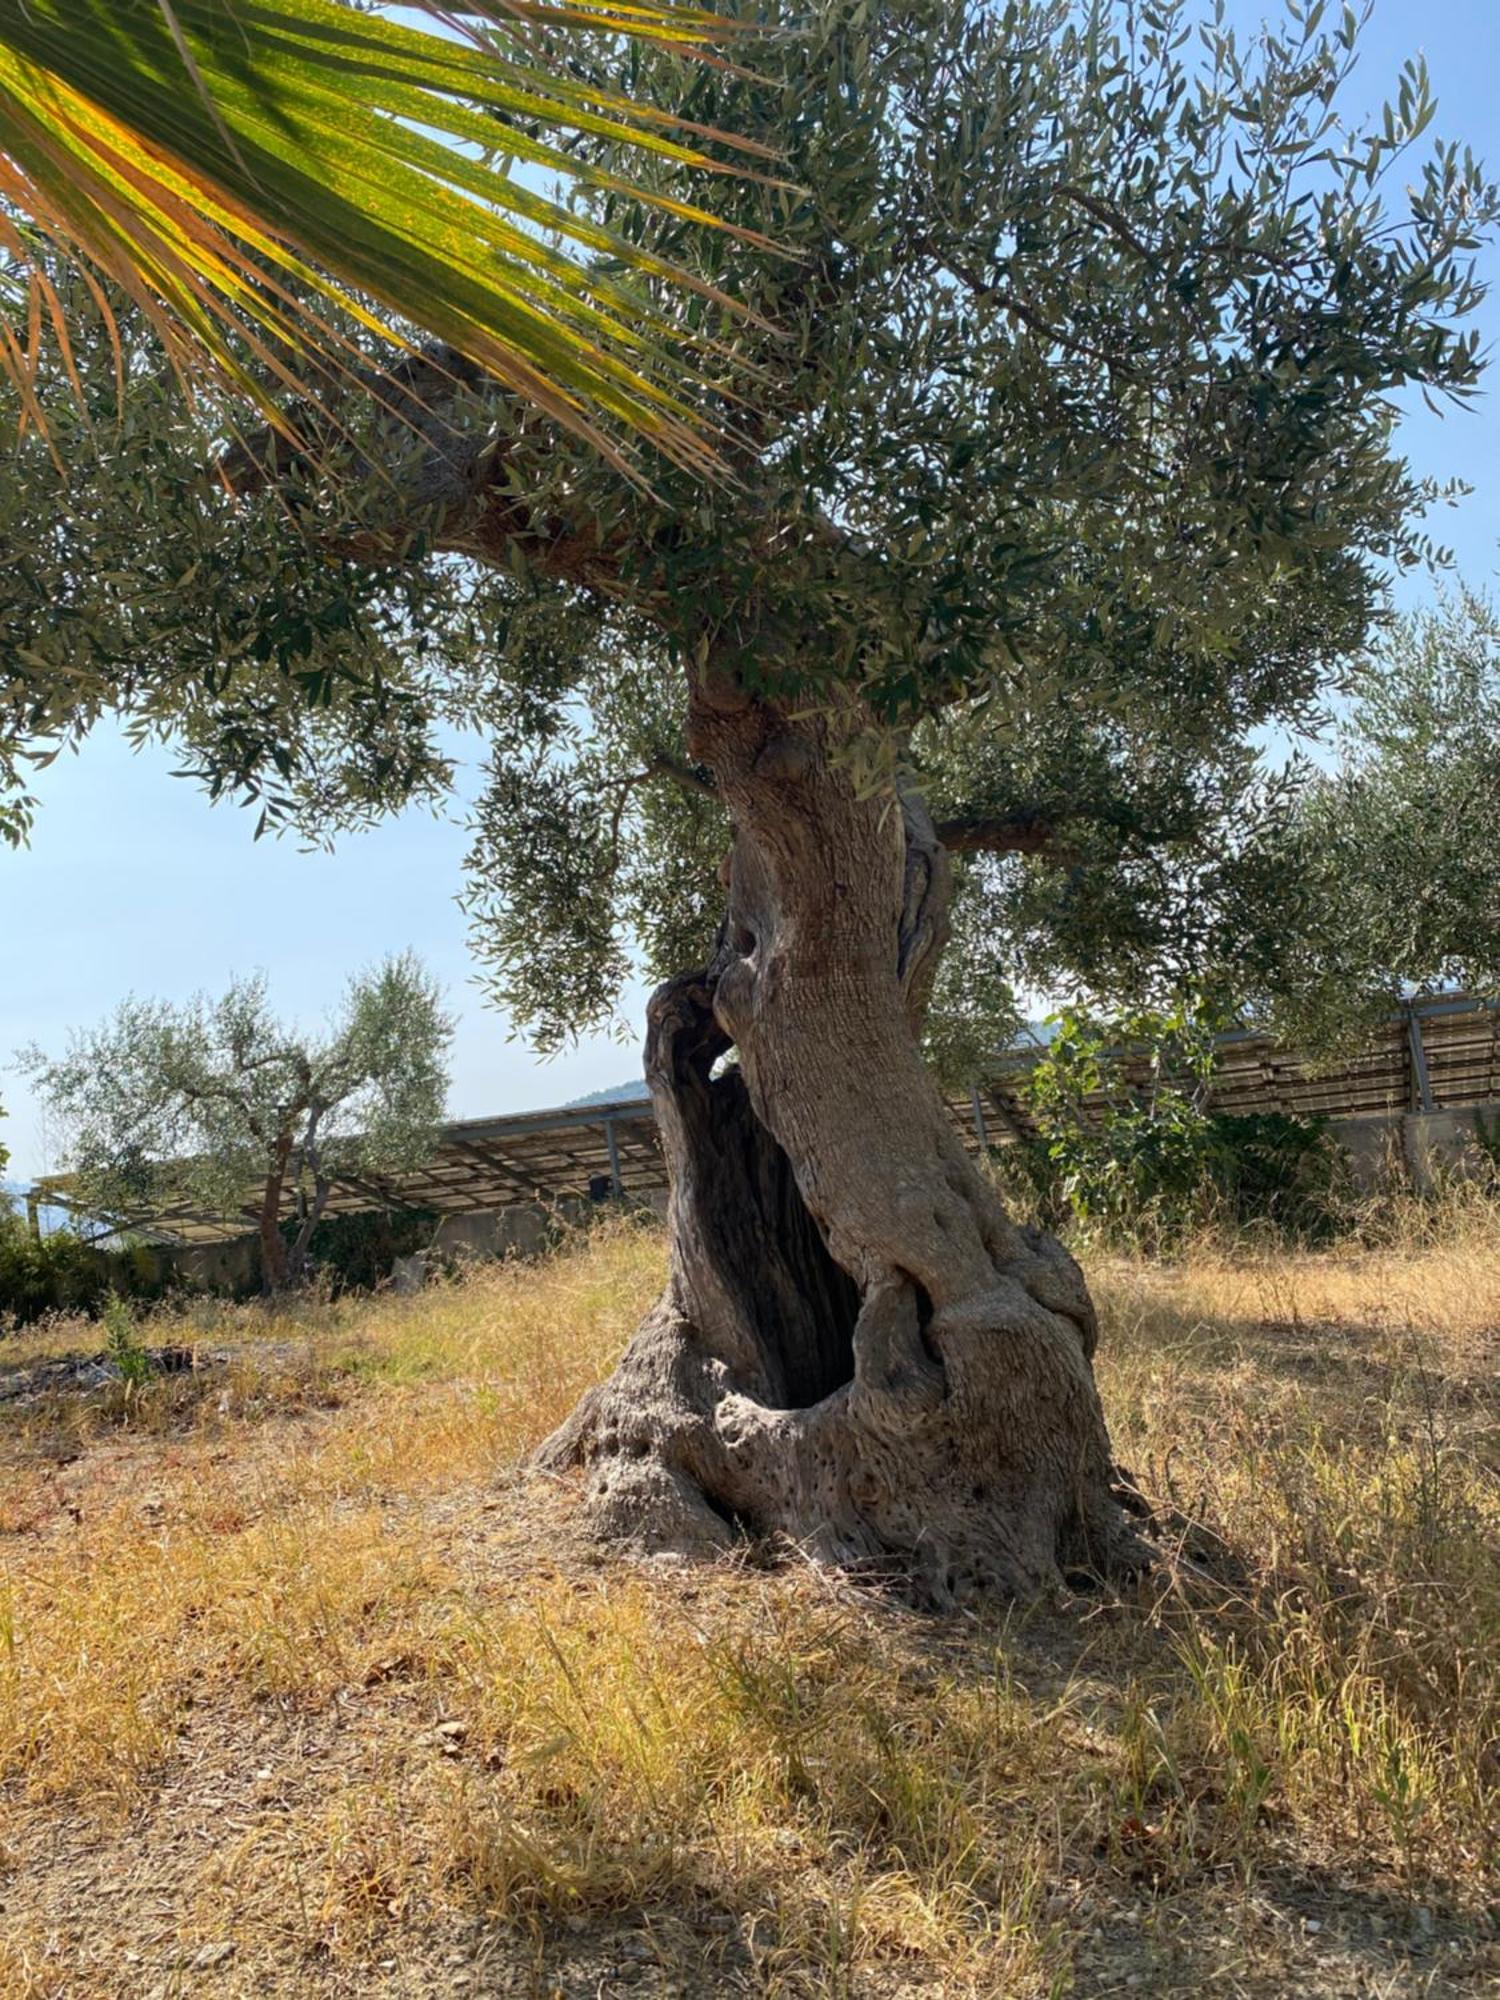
(1025, 830)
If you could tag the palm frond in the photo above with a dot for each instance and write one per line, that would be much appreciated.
(240, 167)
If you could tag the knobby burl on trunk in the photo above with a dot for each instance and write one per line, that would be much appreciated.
(856, 1348)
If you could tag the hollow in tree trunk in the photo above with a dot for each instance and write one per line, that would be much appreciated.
(856, 1348)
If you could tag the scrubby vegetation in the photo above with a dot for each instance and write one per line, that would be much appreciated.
(1125, 1151)
(303, 1691)
(41, 1277)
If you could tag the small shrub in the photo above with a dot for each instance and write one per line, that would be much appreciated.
(1127, 1150)
(122, 1343)
(61, 1273)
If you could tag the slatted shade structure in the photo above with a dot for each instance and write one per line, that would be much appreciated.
(480, 1165)
(1439, 1054)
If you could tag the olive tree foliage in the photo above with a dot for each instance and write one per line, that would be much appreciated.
(1061, 449)
(131, 585)
(1397, 850)
(216, 1104)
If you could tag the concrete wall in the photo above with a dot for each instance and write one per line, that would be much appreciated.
(1415, 1145)
(1439, 1142)
(144, 1270)
(526, 1229)
(1374, 1144)
(219, 1267)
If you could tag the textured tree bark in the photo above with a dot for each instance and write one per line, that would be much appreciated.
(274, 1271)
(856, 1349)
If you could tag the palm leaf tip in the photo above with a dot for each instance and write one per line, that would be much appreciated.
(248, 173)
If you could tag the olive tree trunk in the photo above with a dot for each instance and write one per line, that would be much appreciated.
(856, 1348)
(275, 1271)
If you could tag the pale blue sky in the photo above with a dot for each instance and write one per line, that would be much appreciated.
(133, 883)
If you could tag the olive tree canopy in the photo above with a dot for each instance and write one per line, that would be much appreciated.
(1396, 850)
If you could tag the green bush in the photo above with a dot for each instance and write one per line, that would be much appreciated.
(356, 1252)
(1127, 1150)
(59, 1274)
(122, 1343)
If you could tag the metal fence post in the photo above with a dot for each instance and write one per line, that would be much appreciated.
(974, 1099)
(1421, 1083)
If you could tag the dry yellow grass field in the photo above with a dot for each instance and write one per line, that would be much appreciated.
(303, 1692)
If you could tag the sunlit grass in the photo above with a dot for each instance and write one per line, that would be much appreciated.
(759, 1774)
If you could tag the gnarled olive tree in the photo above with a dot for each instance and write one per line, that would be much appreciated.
(1059, 462)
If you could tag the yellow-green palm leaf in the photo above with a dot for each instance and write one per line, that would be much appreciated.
(226, 161)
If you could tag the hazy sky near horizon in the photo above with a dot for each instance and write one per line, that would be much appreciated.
(134, 883)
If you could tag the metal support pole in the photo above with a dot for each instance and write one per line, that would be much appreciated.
(974, 1099)
(34, 1218)
(1421, 1083)
(616, 1185)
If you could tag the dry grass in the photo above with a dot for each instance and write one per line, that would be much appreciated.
(301, 1693)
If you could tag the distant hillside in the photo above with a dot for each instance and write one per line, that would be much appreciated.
(618, 1093)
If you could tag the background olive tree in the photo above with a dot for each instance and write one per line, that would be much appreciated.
(1396, 849)
(217, 1104)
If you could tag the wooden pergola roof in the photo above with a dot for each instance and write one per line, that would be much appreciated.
(1435, 1055)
